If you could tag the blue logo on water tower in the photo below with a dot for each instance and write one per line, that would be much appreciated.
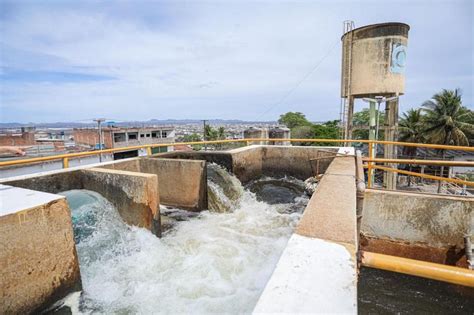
(399, 56)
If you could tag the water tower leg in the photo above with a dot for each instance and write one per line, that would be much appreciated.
(350, 115)
(390, 152)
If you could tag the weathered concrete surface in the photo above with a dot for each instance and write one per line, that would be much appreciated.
(367, 60)
(135, 195)
(247, 163)
(419, 226)
(37, 252)
(130, 165)
(139, 207)
(222, 158)
(317, 272)
(448, 255)
(50, 182)
(251, 162)
(331, 211)
(434, 220)
(294, 161)
(182, 183)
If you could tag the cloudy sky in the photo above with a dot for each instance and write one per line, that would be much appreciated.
(250, 60)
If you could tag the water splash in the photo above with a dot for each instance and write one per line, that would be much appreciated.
(224, 190)
(212, 263)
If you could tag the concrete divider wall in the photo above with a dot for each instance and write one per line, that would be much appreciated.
(182, 183)
(317, 272)
(295, 161)
(223, 158)
(247, 163)
(276, 161)
(253, 161)
(37, 252)
(419, 226)
(135, 195)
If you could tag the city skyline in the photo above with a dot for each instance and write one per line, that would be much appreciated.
(251, 61)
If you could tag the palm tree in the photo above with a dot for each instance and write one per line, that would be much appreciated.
(411, 130)
(446, 120)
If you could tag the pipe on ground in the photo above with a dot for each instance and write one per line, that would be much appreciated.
(419, 268)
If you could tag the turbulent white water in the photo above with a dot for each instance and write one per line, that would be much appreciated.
(213, 263)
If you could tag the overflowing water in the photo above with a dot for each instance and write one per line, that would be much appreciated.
(215, 262)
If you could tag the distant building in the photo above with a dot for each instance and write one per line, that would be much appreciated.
(256, 133)
(117, 137)
(279, 133)
(272, 133)
(25, 137)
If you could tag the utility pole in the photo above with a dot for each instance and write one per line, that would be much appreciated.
(99, 121)
(204, 133)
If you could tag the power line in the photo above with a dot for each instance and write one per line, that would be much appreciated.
(307, 75)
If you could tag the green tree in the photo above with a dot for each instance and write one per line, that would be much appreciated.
(293, 119)
(411, 130)
(469, 118)
(447, 121)
(360, 122)
(212, 134)
(302, 132)
(328, 130)
(194, 137)
(411, 127)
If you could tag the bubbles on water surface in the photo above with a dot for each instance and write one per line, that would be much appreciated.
(207, 263)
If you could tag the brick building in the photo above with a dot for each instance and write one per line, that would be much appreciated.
(23, 138)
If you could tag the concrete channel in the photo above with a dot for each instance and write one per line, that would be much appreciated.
(37, 242)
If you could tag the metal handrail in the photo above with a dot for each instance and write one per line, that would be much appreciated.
(421, 162)
(371, 160)
(440, 178)
(248, 140)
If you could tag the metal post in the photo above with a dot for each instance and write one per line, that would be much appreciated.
(99, 122)
(370, 174)
(65, 162)
(372, 135)
(204, 134)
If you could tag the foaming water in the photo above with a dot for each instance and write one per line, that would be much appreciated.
(212, 263)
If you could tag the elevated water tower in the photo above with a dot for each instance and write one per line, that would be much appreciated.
(373, 66)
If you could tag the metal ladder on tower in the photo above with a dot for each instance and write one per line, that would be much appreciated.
(348, 26)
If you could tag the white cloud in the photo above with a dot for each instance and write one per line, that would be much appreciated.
(192, 60)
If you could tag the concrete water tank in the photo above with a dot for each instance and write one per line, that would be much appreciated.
(373, 60)
(256, 133)
(279, 133)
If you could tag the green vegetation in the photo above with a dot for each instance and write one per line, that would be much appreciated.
(360, 123)
(441, 120)
(293, 120)
(194, 137)
(210, 135)
(213, 133)
(445, 120)
(411, 129)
